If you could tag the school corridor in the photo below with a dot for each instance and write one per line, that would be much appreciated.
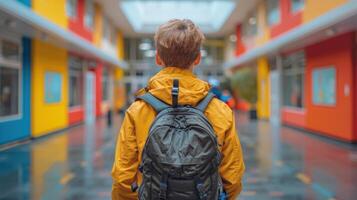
(281, 163)
(288, 68)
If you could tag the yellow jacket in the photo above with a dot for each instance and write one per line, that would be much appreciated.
(139, 116)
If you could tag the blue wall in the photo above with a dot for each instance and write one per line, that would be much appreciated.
(13, 130)
(25, 2)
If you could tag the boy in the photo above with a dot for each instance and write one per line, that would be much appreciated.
(178, 44)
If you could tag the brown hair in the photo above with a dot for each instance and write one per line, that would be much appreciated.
(178, 42)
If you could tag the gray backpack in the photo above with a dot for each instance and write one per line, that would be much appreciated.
(180, 159)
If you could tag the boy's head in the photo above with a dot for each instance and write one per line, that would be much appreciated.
(178, 44)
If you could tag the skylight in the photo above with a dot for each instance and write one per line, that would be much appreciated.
(146, 15)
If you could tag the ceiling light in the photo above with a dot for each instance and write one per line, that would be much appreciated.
(203, 53)
(145, 46)
(233, 38)
(331, 32)
(252, 21)
(150, 53)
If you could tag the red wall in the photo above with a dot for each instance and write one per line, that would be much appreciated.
(288, 20)
(76, 115)
(240, 48)
(98, 87)
(77, 26)
(336, 121)
(293, 117)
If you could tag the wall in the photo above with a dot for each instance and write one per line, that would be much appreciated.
(98, 70)
(48, 117)
(98, 25)
(293, 117)
(77, 24)
(54, 11)
(20, 128)
(288, 20)
(76, 115)
(315, 8)
(263, 103)
(240, 48)
(336, 121)
(263, 29)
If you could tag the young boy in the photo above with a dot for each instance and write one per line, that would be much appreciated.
(178, 44)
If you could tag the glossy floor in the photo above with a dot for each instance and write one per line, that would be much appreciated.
(282, 163)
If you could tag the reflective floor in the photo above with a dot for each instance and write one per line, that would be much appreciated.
(282, 163)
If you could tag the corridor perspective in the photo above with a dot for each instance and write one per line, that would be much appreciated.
(70, 69)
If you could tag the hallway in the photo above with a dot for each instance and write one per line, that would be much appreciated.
(281, 163)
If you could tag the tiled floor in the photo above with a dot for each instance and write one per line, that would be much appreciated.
(282, 163)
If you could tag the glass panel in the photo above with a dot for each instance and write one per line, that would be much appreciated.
(9, 91)
(273, 12)
(293, 90)
(105, 85)
(297, 5)
(10, 50)
(324, 86)
(71, 8)
(89, 14)
(75, 89)
(293, 80)
(250, 25)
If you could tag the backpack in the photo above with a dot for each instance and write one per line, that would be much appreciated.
(180, 158)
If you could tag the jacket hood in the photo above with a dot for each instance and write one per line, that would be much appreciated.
(191, 89)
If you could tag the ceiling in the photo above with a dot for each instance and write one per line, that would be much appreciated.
(138, 18)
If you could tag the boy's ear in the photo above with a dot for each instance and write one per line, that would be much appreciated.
(197, 60)
(158, 60)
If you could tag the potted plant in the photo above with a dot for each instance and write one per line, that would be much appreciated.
(244, 83)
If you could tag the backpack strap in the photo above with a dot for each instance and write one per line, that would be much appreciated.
(154, 102)
(205, 101)
(175, 92)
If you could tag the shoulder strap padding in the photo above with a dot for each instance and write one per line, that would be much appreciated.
(154, 102)
(205, 101)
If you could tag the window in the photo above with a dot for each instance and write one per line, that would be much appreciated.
(250, 25)
(273, 12)
(109, 32)
(293, 80)
(105, 84)
(10, 50)
(10, 74)
(106, 29)
(75, 82)
(71, 8)
(89, 14)
(9, 91)
(324, 86)
(297, 5)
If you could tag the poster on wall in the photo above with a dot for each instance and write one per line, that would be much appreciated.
(324, 86)
(53, 83)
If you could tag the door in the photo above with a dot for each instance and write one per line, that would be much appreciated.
(275, 97)
(90, 97)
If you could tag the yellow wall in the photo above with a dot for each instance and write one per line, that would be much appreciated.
(119, 89)
(315, 8)
(264, 33)
(120, 45)
(263, 104)
(48, 117)
(98, 25)
(48, 166)
(54, 10)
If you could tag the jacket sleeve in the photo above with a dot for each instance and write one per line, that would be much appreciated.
(232, 165)
(125, 162)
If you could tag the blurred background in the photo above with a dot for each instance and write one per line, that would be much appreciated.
(70, 68)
